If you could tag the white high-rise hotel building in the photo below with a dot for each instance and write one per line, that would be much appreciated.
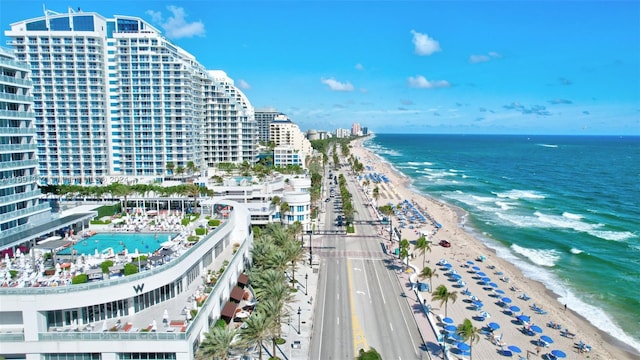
(113, 97)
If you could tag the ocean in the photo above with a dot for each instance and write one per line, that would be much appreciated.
(563, 209)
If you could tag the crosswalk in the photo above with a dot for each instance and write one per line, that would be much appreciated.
(351, 254)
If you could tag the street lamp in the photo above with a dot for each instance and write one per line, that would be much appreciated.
(306, 277)
(299, 312)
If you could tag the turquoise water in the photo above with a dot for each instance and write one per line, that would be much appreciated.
(102, 242)
(563, 209)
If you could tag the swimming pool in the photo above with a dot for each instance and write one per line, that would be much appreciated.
(102, 242)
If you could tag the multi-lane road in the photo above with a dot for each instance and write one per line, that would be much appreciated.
(360, 303)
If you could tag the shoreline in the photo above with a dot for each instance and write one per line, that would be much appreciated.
(466, 241)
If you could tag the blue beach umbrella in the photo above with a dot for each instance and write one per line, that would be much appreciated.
(463, 346)
(476, 268)
(515, 349)
(546, 339)
(494, 326)
(447, 265)
(498, 291)
(456, 277)
(493, 285)
(447, 320)
(514, 308)
(480, 273)
(469, 262)
(536, 328)
(558, 353)
(450, 328)
(523, 318)
(506, 300)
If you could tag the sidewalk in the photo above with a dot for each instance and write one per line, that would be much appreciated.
(298, 345)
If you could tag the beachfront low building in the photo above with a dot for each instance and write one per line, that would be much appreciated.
(258, 197)
(159, 313)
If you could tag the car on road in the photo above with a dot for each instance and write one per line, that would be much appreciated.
(444, 243)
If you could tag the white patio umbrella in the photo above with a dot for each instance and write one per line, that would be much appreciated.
(104, 326)
(165, 316)
(154, 325)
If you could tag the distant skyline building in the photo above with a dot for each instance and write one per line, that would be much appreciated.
(355, 129)
(114, 98)
(343, 133)
(264, 117)
(289, 139)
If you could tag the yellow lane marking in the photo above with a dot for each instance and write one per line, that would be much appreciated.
(359, 341)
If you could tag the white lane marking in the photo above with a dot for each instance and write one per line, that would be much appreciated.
(360, 292)
(366, 281)
(338, 320)
(391, 326)
(357, 269)
(384, 301)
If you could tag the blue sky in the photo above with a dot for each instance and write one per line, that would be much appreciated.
(534, 67)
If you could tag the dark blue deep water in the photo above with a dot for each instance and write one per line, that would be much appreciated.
(564, 209)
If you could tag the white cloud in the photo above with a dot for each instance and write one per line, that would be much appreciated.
(243, 84)
(421, 82)
(424, 45)
(336, 85)
(474, 59)
(176, 26)
(359, 67)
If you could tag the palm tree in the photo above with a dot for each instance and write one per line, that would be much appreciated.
(191, 167)
(257, 329)
(216, 343)
(404, 250)
(193, 190)
(443, 295)
(467, 331)
(295, 254)
(262, 279)
(180, 170)
(284, 208)
(428, 273)
(170, 167)
(423, 245)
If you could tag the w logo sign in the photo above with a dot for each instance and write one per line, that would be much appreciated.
(138, 288)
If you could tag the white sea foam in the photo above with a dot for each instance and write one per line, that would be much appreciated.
(576, 251)
(419, 163)
(504, 205)
(569, 215)
(520, 194)
(482, 198)
(538, 256)
(548, 145)
(566, 295)
(519, 220)
(612, 235)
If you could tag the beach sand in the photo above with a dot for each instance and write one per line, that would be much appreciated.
(465, 247)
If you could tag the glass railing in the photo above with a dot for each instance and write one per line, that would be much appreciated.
(18, 114)
(11, 337)
(21, 212)
(111, 282)
(110, 336)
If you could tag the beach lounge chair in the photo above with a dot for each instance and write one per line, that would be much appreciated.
(524, 297)
(567, 334)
